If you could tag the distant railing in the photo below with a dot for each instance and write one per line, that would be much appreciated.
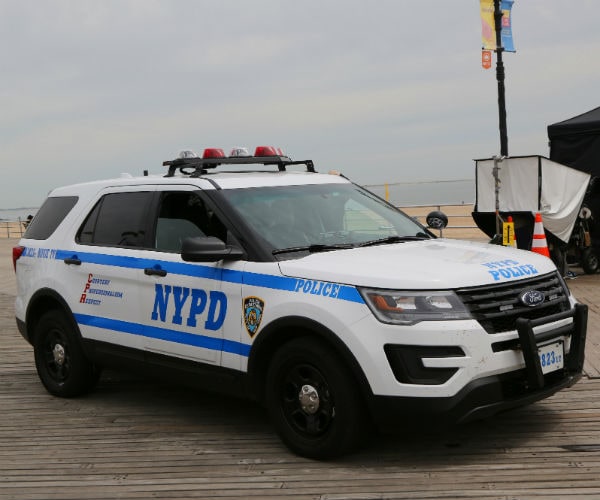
(12, 228)
(441, 192)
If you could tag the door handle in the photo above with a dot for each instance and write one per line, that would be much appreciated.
(153, 271)
(72, 260)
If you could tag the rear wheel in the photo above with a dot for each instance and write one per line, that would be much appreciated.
(60, 361)
(313, 400)
(589, 261)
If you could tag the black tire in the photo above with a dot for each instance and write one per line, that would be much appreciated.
(337, 423)
(60, 361)
(589, 261)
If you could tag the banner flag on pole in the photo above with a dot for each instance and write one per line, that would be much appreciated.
(486, 59)
(488, 31)
(506, 31)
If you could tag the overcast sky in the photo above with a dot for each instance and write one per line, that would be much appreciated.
(383, 90)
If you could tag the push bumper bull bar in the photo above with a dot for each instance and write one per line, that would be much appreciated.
(529, 342)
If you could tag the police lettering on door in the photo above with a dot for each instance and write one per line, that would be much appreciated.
(192, 303)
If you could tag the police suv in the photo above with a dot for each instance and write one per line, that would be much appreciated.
(259, 276)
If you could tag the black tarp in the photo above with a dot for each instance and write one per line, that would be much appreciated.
(576, 142)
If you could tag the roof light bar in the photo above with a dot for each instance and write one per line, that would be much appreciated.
(189, 163)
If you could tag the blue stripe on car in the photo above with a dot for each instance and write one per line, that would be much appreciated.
(347, 293)
(164, 334)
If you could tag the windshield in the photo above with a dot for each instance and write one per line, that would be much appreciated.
(321, 216)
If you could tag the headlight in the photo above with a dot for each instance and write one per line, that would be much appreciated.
(406, 308)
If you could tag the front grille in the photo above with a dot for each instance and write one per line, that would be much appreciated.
(497, 307)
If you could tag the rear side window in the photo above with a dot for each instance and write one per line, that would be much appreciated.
(118, 219)
(49, 217)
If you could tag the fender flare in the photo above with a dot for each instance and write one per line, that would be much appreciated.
(42, 300)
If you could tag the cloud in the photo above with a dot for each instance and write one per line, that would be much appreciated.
(386, 90)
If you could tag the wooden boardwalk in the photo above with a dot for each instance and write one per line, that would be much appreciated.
(137, 439)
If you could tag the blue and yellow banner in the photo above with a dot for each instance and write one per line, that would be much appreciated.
(488, 31)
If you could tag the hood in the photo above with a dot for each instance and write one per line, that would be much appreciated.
(420, 265)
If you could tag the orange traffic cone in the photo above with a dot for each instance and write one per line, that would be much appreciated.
(539, 243)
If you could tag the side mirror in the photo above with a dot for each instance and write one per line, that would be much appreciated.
(437, 220)
(209, 249)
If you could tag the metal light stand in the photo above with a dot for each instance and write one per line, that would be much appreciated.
(497, 239)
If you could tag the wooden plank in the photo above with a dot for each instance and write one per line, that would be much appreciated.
(136, 439)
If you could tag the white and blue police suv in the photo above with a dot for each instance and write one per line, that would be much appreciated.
(304, 291)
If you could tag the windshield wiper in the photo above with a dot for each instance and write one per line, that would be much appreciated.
(316, 247)
(392, 239)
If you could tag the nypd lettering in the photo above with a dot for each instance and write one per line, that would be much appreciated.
(252, 308)
(506, 269)
(191, 303)
(315, 287)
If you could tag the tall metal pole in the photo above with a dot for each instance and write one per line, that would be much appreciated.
(500, 78)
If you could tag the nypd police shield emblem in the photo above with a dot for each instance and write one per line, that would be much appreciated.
(253, 311)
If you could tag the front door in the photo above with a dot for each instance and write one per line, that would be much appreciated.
(183, 305)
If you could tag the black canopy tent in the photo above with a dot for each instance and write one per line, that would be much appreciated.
(576, 142)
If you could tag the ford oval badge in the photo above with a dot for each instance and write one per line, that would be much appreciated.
(532, 298)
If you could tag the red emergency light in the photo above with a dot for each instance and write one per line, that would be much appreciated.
(213, 153)
(267, 151)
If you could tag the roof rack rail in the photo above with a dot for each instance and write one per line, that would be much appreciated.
(195, 167)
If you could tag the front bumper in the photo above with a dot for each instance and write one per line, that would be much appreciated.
(493, 394)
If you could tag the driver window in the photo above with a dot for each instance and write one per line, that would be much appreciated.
(184, 215)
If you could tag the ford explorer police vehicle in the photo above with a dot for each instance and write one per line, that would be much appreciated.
(259, 276)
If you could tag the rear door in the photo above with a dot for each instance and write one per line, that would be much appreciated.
(102, 270)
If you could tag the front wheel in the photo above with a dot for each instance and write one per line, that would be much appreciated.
(314, 401)
(60, 361)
